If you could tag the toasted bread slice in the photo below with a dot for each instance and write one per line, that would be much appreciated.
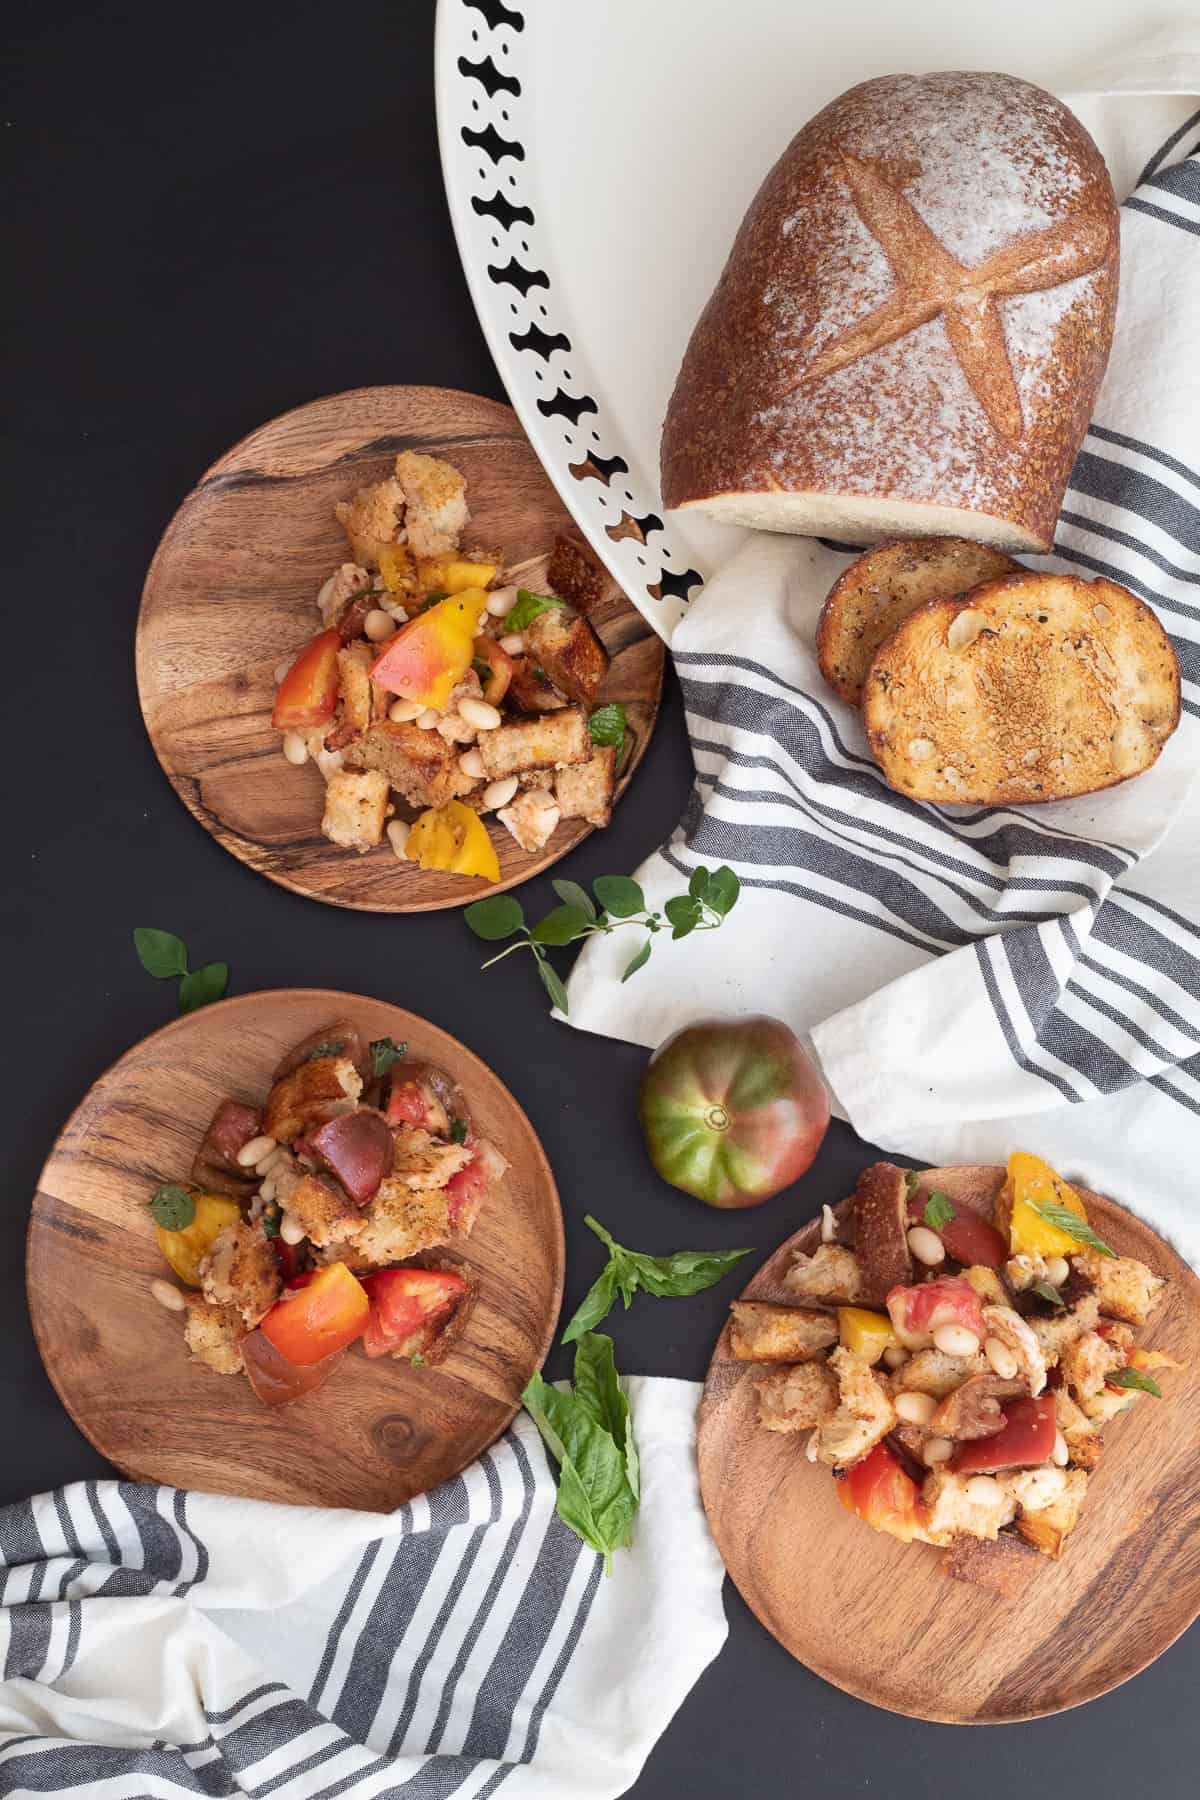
(760, 1332)
(871, 597)
(1031, 688)
(881, 1230)
(1002, 1565)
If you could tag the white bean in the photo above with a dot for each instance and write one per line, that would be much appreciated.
(295, 748)
(325, 596)
(1002, 1359)
(1058, 1270)
(281, 670)
(499, 793)
(478, 713)
(514, 643)
(937, 1450)
(982, 1490)
(266, 1192)
(254, 1151)
(428, 719)
(329, 762)
(895, 1356)
(501, 601)
(914, 1408)
(926, 1246)
(1060, 1453)
(291, 1230)
(828, 1226)
(397, 831)
(955, 1340)
(401, 711)
(471, 763)
(168, 1296)
(266, 1163)
(378, 625)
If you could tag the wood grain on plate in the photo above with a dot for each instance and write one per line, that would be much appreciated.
(882, 1620)
(232, 592)
(379, 1431)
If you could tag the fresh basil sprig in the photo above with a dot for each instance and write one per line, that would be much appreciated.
(527, 608)
(1072, 1224)
(711, 895)
(173, 1207)
(938, 1210)
(384, 1052)
(589, 1433)
(1046, 1291)
(628, 1271)
(458, 1131)
(1134, 1378)
(164, 956)
(607, 726)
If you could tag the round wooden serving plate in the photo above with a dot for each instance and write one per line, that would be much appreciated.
(232, 592)
(379, 1431)
(883, 1621)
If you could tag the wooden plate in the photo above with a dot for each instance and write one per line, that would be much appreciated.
(881, 1619)
(231, 593)
(380, 1431)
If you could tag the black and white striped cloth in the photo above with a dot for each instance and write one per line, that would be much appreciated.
(161, 1643)
(973, 980)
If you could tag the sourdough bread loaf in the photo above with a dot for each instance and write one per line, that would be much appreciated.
(911, 328)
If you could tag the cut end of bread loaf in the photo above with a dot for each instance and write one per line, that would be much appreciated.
(857, 519)
(1030, 688)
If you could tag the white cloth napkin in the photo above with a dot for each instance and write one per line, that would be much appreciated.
(972, 980)
(156, 1642)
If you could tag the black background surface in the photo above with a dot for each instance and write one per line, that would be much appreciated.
(216, 214)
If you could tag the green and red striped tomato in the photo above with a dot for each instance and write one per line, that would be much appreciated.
(732, 1110)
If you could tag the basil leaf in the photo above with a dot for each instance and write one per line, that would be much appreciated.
(495, 918)
(685, 1271)
(938, 1210)
(637, 961)
(431, 600)
(330, 1047)
(384, 1053)
(553, 985)
(529, 607)
(595, 1499)
(561, 926)
(203, 986)
(458, 1131)
(607, 726)
(633, 1466)
(597, 1388)
(270, 1223)
(698, 885)
(1134, 1378)
(162, 954)
(596, 1305)
(912, 1180)
(173, 1208)
(722, 890)
(416, 1360)
(572, 894)
(619, 895)
(481, 668)
(683, 914)
(1072, 1224)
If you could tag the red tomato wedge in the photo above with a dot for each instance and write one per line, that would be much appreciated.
(1027, 1437)
(410, 1308)
(275, 1380)
(916, 1312)
(883, 1495)
(469, 1188)
(308, 692)
(310, 1321)
(968, 1238)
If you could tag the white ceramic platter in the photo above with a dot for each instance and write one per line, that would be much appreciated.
(598, 160)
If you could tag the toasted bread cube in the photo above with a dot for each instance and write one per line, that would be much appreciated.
(864, 1415)
(831, 1273)
(763, 1333)
(987, 1285)
(424, 1161)
(316, 1090)
(436, 513)
(240, 1271)
(530, 689)
(349, 581)
(213, 1335)
(324, 1210)
(1056, 1333)
(400, 1222)
(797, 1399)
(577, 574)
(555, 741)
(1050, 1501)
(1088, 1362)
(420, 765)
(586, 790)
(531, 818)
(370, 519)
(1000, 1565)
(933, 1372)
(1126, 1288)
(957, 1507)
(356, 803)
(354, 691)
(1083, 1436)
(567, 647)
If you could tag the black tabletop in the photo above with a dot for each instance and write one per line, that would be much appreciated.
(214, 215)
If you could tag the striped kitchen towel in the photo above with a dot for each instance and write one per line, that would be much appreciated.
(161, 1643)
(973, 980)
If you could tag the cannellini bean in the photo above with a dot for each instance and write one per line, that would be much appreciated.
(255, 1150)
(266, 1163)
(295, 748)
(291, 1230)
(397, 831)
(942, 1314)
(982, 1490)
(914, 1408)
(471, 763)
(428, 719)
(401, 711)
(955, 1340)
(378, 625)
(265, 1193)
(937, 1450)
(501, 601)
(926, 1246)
(1060, 1453)
(167, 1296)
(281, 670)
(499, 793)
(1058, 1270)
(325, 594)
(328, 761)
(895, 1356)
(478, 713)
(1002, 1359)
(828, 1225)
(514, 643)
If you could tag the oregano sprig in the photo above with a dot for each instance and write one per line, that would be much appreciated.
(164, 956)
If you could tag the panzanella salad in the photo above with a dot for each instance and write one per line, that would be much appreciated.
(439, 686)
(957, 1371)
(329, 1215)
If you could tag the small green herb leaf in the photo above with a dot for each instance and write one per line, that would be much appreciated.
(607, 725)
(595, 1498)
(911, 1181)
(637, 961)
(416, 1360)
(561, 925)
(596, 1385)
(384, 1053)
(431, 600)
(203, 986)
(173, 1208)
(270, 1222)
(329, 1047)
(481, 668)
(529, 607)
(596, 1305)
(722, 890)
(571, 893)
(1072, 1224)
(1045, 1291)
(1134, 1378)
(683, 914)
(162, 954)
(458, 1131)
(553, 986)
(681, 1273)
(938, 1210)
(495, 918)
(619, 895)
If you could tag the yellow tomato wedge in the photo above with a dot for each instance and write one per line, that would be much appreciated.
(186, 1249)
(396, 567)
(451, 574)
(1032, 1182)
(454, 838)
(1153, 1359)
(867, 1334)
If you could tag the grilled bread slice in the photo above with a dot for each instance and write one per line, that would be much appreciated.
(871, 597)
(1031, 688)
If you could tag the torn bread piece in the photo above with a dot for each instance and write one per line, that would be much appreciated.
(864, 1415)
(436, 511)
(759, 1332)
(213, 1335)
(370, 519)
(240, 1270)
(1125, 1288)
(316, 1090)
(880, 1210)
(356, 809)
(831, 1274)
(797, 1399)
(566, 646)
(586, 790)
(552, 742)
(423, 768)
(1001, 1565)
(531, 818)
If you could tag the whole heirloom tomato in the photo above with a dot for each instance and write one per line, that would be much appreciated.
(732, 1110)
